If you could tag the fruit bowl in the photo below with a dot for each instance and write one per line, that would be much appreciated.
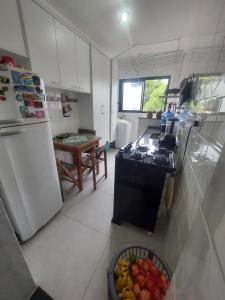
(131, 264)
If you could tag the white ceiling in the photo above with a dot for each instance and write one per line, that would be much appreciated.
(162, 25)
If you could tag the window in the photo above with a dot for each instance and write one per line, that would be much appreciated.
(143, 94)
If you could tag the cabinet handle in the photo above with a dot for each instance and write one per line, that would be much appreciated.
(11, 121)
(12, 132)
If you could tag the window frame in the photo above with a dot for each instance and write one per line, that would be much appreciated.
(143, 79)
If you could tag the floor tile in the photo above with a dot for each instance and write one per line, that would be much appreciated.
(128, 234)
(107, 185)
(94, 211)
(97, 289)
(66, 261)
(31, 247)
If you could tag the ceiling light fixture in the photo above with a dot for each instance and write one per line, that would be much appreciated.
(124, 17)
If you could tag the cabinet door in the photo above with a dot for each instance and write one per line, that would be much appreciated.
(66, 45)
(114, 100)
(40, 32)
(10, 28)
(83, 65)
(101, 94)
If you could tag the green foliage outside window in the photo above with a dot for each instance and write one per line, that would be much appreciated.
(154, 89)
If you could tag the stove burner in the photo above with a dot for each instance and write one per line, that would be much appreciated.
(142, 148)
(161, 156)
(162, 151)
(161, 159)
(137, 155)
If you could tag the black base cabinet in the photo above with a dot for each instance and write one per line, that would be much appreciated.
(137, 192)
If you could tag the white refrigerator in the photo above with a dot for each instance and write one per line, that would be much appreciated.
(29, 184)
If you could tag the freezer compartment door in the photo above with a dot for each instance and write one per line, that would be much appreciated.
(22, 98)
(28, 176)
(9, 107)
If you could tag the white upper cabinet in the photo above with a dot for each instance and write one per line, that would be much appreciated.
(74, 60)
(40, 33)
(66, 45)
(56, 53)
(83, 65)
(11, 36)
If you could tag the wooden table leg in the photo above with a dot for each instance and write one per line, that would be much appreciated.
(79, 171)
(97, 165)
(105, 163)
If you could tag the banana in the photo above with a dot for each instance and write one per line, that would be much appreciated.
(124, 282)
(121, 282)
(120, 270)
(129, 282)
(127, 293)
(122, 263)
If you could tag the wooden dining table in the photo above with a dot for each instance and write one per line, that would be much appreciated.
(82, 143)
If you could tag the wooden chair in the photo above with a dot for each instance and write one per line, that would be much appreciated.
(91, 162)
(87, 131)
(67, 171)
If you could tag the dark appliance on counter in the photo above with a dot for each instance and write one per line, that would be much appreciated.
(168, 141)
(140, 173)
(171, 125)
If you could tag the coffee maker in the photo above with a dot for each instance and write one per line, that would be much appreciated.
(171, 126)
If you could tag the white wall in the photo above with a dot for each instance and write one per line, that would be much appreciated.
(60, 124)
(195, 231)
(166, 64)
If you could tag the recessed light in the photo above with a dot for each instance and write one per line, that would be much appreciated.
(124, 17)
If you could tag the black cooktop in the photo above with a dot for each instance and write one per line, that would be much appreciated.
(150, 154)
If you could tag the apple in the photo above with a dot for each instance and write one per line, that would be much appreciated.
(149, 284)
(140, 279)
(140, 262)
(145, 295)
(145, 266)
(157, 294)
(135, 270)
(136, 289)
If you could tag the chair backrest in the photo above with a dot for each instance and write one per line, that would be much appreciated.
(98, 151)
(88, 131)
(97, 155)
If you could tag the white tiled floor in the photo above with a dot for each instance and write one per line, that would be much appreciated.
(69, 257)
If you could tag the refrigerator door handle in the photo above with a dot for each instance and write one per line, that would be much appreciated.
(11, 121)
(11, 132)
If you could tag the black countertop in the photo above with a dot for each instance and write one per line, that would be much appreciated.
(147, 150)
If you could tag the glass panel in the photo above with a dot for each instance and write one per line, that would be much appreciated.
(153, 94)
(132, 95)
